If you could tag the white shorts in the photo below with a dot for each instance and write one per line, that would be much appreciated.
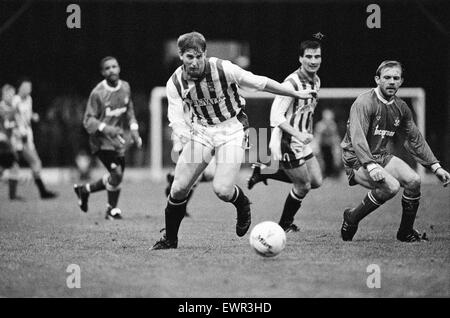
(298, 150)
(227, 139)
(23, 140)
(295, 154)
(229, 132)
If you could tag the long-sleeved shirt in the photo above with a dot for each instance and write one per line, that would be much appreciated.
(112, 106)
(374, 122)
(214, 97)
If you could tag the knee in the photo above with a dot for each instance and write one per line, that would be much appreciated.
(178, 191)
(224, 192)
(116, 176)
(392, 188)
(302, 189)
(317, 183)
(36, 165)
(413, 183)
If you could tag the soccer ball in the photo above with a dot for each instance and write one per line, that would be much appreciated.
(267, 239)
(115, 211)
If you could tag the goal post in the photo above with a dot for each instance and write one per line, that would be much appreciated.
(158, 99)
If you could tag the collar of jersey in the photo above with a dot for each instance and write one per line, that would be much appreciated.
(381, 98)
(112, 89)
(305, 75)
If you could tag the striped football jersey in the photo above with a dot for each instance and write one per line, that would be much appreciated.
(215, 97)
(300, 113)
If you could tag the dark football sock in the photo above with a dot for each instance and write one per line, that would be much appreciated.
(174, 214)
(410, 205)
(98, 185)
(238, 199)
(369, 204)
(40, 185)
(280, 175)
(291, 206)
(12, 188)
(113, 198)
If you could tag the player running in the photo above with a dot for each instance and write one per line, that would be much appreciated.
(108, 118)
(376, 118)
(23, 135)
(258, 174)
(8, 156)
(293, 122)
(8, 135)
(210, 87)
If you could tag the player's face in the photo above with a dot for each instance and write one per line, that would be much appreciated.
(25, 89)
(8, 95)
(389, 81)
(111, 70)
(311, 60)
(194, 62)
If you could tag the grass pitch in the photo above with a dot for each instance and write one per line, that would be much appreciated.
(40, 239)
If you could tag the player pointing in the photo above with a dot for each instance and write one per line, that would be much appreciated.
(376, 118)
(211, 88)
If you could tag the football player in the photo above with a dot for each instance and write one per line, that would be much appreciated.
(211, 88)
(293, 122)
(376, 118)
(24, 144)
(108, 118)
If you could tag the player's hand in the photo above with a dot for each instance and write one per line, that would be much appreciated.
(183, 135)
(136, 138)
(307, 94)
(35, 117)
(443, 175)
(305, 138)
(376, 174)
(112, 131)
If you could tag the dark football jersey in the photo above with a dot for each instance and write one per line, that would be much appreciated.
(112, 106)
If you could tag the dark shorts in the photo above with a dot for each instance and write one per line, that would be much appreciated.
(352, 164)
(295, 163)
(109, 157)
(7, 155)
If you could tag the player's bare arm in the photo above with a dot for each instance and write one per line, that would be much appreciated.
(276, 88)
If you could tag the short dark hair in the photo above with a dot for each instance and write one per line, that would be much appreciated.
(106, 58)
(309, 44)
(193, 40)
(389, 63)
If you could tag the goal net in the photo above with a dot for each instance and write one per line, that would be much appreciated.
(339, 100)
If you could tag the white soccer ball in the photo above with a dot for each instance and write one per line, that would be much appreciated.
(268, 239)
(115, 211)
